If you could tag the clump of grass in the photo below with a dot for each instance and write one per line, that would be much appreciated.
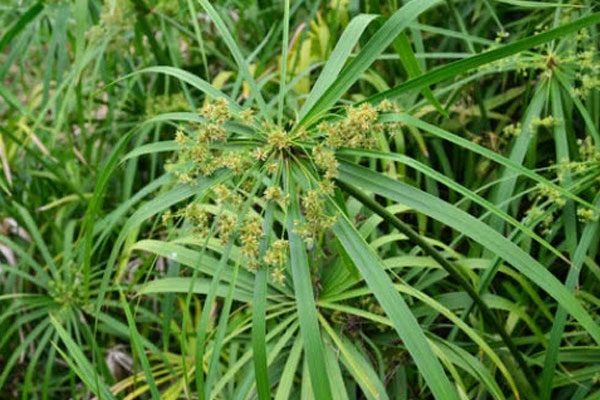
(292, 200)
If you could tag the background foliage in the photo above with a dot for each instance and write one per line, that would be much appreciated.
(299, 199)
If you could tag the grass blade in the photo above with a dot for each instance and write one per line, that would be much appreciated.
(80, 364)
(483, 151)
(411, 64)
(139, 349)
(374, 47)
(475, 229)
(186, 77)
(460, 67)
(259, 331)
(337, 59)
(454, 270)
(21, 23)
(373, 271)
(235, 51)
(284, 57)
(305, 300)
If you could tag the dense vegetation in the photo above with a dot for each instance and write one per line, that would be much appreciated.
(309, 199)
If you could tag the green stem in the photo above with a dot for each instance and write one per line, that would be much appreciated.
(259, 327)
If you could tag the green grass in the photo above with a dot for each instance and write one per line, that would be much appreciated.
(299, 200)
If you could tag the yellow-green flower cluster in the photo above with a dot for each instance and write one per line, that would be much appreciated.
(554, 199)
(588, 151)
(546, 122)
(317, 220)
(260, 154)
(115, 18)
(66, 293)
(222, 193)
(512, 130)
(358, 129)
(262, 148)
(166, 103)
(274, 193)
(501, 36)
(225, 226)
(251, 233)
(224, 196)
(585, 66)
(551, 194)
(199, 218)
(247, 116)
(278, 139)
(276, 256)
(195, 214)
(199, 152)
(237, 162)
(535, 213)
(325, 160)
(216, 112)
(588, 82)
(586, 215)
(577, 55)
(355, 130)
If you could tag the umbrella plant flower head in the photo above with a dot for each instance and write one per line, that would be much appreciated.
(260, 156)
